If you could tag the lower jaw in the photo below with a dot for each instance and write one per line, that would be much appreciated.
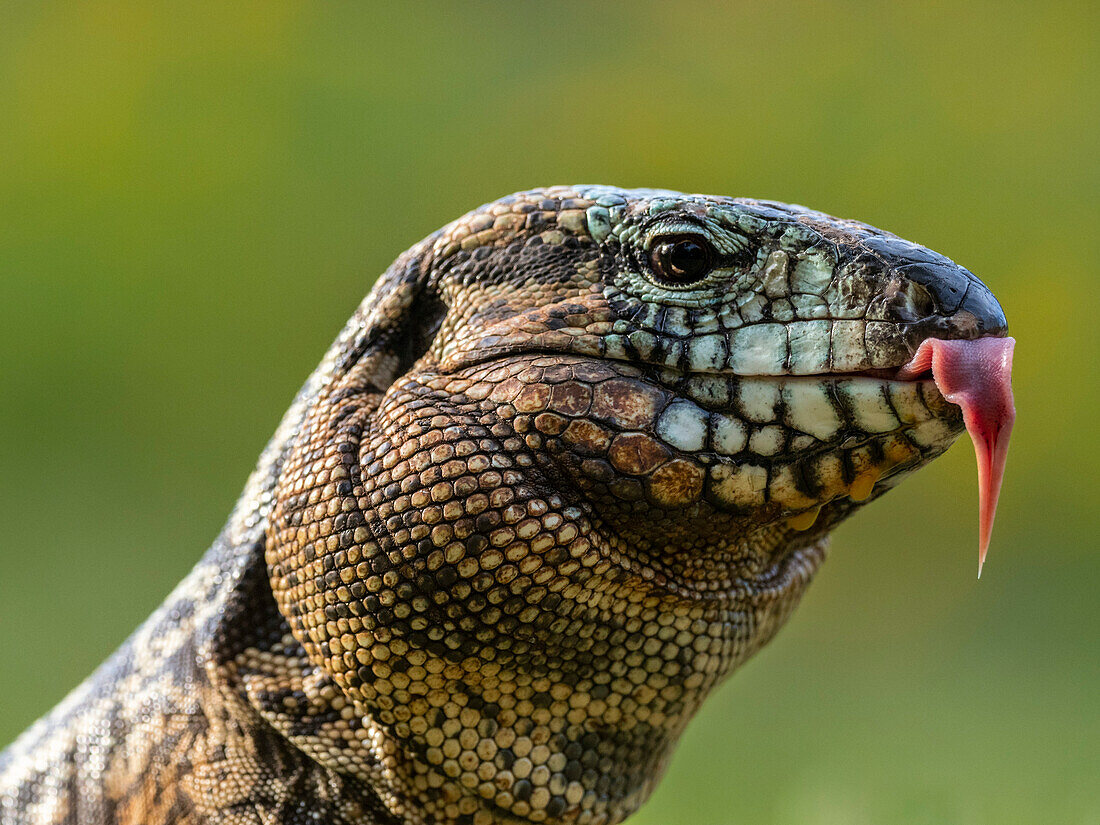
(845, 438)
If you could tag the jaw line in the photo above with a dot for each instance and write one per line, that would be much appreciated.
(907, 372)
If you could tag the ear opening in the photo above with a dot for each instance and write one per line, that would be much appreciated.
(425, 320)
(392, 329)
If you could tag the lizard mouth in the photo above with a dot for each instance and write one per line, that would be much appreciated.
(787, 432)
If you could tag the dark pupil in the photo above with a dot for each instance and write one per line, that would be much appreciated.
(683, 260)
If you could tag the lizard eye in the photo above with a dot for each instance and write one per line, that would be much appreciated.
(681, 261)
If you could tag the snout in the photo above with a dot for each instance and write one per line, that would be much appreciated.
(944, 300)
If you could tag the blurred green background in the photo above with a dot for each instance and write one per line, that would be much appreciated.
(194, 197)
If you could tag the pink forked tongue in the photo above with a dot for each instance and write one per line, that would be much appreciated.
(976, 375)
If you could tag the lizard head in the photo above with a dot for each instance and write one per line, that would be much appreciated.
(579, 459)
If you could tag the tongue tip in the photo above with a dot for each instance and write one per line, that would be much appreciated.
(992, 455)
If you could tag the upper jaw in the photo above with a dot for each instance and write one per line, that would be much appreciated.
(870, 316)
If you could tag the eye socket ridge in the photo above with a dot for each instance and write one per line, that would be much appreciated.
(681, 260)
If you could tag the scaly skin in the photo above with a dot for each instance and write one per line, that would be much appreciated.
(536, 502)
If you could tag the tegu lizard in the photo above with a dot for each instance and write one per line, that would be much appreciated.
(573, 460)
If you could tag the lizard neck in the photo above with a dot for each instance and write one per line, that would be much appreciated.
(470, 632)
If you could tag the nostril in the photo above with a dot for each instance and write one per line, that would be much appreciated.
(944, 285)
(907, 301)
